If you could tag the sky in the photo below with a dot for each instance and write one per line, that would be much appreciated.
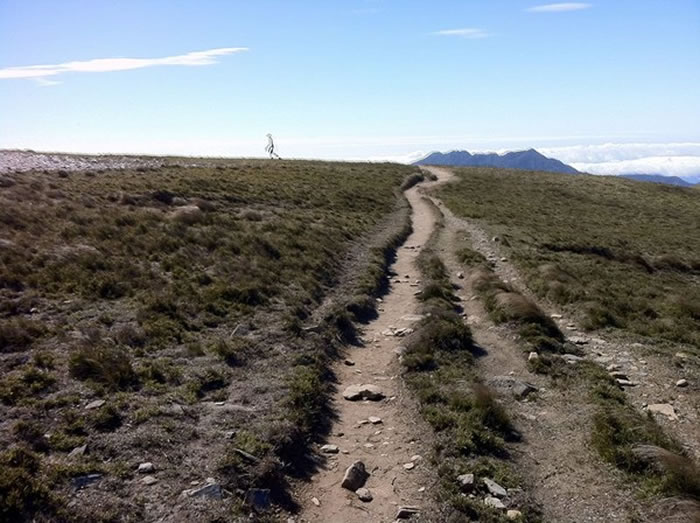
(610, 86)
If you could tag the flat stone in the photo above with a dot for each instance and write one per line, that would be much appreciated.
(366, 391)
(146, 468)
(95, 404)
(556, 316)
(407, 511)
(409, 466)
(626, 383)
(85, 481)
(349, 363)
(663, 408)
(578, 340)
(355, 476)
(466, 482)
(571, 358)
(494, 488)
(618, 375)
(510, 385)
(374, 420)
(416, 458)
(533, 356)
(364, 494)
(316, 502)
(77, 451)
(514, 515)
(682, 383)
(492, 502)
(460, 275)
(149, 480)
(330, 449)
(210, 490)
(258, 498)
(612, 367)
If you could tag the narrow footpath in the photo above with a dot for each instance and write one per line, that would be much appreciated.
(393, 446)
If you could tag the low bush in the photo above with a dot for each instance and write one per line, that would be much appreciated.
(107, 366)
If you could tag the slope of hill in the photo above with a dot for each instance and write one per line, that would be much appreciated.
(154, 314)
(530, 160)
(658, 178)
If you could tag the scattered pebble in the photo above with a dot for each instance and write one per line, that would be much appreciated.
(682, 383)
(364, 494)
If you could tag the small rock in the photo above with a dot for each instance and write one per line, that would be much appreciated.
(210, 490)
(407, 511)
(494, 488)
(416, 457)
(85, 481)
(366, 391)
(422, 489)
(364, 494)
(508, 384)
(77, 451)
(374, 420)
(258, 498)
(514, 514)
(571, 358)
(330, 449)
(349, 363)
(95, 404)
(618, 375)
(460, 275)
(504, 259)
(556, 316)
(149, 480)
(663, 408)
(146, 468)
(625, 383)
(682, 383)
(355, 476)
(409, 466)
(533, 356)
(578, 340)
(466, 482)
(492, 502)
(612, 367)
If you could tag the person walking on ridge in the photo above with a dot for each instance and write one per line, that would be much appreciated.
(270, 148)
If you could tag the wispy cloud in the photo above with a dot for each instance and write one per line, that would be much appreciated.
(43, 82)
(101, 65)
(558, 8)
(471, 33)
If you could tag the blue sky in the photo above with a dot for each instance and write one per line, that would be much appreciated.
(599, 82)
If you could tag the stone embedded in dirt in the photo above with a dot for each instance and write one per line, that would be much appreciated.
(355, 476)
(514, 514)
(504, 259)
(364, 494)
(77, 451)
(407, 511)
(682, 383)
(416, 457)
(533, 356)
(460, 275)
(246, 455)
(95, 404)
(316, 502)
(365, 391)
(146, 468)
(612, 367)
(409, 466)
(85, 481)
(556, 316)
(510, 385)
(571, 359)
(330, 449)
(466, 482)
(618, 375)
(368, 445)
(663, 408)
(211, 490)
(492, 502)
(258, 498)
(149, 480)
(626, 383)
(412, 317)
(494, 488)
(578, 340)
(374, 420)
(349, 363)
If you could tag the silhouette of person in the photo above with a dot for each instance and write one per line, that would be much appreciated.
(270, 148)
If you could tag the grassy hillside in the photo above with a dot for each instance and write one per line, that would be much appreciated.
(616, 253)
(177, 296)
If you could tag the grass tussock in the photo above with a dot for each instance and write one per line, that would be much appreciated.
(606, 249)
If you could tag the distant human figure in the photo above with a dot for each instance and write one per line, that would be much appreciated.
(270, 149)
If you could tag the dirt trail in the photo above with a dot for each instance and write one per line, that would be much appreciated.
(384, 447)
(560, 470)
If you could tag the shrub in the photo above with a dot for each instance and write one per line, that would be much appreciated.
(108, 366)
(18, 334)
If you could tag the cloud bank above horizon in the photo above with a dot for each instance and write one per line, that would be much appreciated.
(101, 65)
(559, 7)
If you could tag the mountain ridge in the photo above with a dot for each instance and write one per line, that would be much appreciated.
(530, 159)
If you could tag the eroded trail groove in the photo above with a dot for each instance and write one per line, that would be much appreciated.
(393, 449)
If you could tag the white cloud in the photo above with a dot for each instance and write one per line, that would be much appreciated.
(471, 33)
(671, 159)
(43, 82)
(99, 65)
(558, 8)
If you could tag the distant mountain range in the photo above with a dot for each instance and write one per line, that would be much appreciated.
(658, 178)
(531, 160)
